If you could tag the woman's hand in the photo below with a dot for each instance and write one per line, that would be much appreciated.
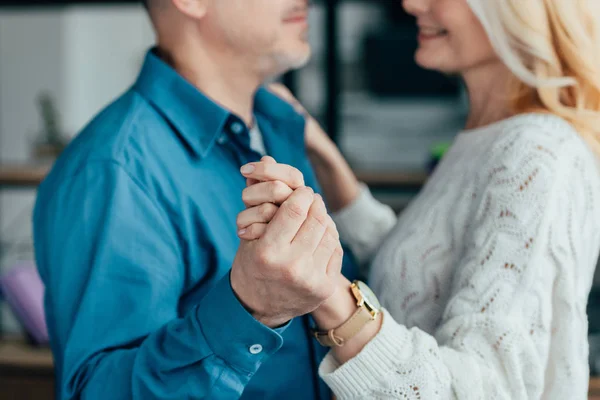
(337, 179)
(316, 139)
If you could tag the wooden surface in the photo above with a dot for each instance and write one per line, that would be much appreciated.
(15, 353)
(22, 175)
(594, 389)
(26, 373)
(392, 179)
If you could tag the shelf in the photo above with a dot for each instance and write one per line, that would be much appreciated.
(594, 391)
(17, 354)
(376, 179)
(16, 175)
(22, 175)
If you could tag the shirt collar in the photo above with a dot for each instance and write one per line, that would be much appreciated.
(197, 118)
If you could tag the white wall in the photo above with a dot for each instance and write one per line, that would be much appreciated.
(84, 57)
(105, 49)
(31, 51)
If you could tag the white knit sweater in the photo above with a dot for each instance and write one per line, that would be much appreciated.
(485, 276)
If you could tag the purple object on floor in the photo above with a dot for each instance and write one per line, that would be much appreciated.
(23, 289)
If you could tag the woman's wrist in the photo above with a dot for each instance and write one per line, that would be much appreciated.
(337, 309)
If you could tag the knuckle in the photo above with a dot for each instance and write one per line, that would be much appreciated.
(294, 210)
(296, 177)
(246, 195)
(321, 219)
(290, 274)
(266, 255)
(306, 190)
(259, 168)
(239, 220)
(279, 189)
(305, 193)
(265, 211)
(268, 159)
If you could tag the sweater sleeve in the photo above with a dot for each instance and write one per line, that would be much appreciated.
(493, 340)
(364, 224)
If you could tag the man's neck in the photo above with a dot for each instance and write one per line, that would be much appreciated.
(218, 76)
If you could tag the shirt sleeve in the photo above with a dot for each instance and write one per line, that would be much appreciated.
(114, 274)
(364, 224)
(493, 341)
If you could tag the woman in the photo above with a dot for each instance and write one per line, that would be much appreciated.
(485, 276)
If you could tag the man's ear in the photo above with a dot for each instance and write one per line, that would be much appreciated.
(192, 8)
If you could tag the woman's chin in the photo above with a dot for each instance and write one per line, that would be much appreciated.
(434, 64)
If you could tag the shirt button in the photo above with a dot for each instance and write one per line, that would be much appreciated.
(256, 349)
(222, 139)
(237, 128)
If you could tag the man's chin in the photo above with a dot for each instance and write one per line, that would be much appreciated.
(300, 62)
(296, 60)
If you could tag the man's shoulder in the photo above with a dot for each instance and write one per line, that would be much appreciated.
(116, 135)
(111, 132)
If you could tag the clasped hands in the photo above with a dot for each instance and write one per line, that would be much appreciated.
(290, 257)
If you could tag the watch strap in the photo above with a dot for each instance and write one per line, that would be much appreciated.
(338, 336)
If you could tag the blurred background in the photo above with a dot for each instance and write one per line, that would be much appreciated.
(63, 61)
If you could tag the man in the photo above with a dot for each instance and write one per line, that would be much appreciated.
(135, 227)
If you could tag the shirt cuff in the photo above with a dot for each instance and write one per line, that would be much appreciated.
(364, 224)
(362, 373)
(232, 333)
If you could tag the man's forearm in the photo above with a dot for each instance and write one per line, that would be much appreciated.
(202, 355)
(163, 367)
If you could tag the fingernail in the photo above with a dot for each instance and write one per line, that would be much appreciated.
(248, 169)
(241, 232)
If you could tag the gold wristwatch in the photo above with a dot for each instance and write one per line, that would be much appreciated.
(368, 310)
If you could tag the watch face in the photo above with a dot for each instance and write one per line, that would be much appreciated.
(369, 296)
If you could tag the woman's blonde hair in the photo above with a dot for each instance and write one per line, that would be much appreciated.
(552, 48)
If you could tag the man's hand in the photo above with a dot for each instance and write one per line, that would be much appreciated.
(290, 267)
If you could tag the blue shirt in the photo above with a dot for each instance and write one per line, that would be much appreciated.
(135, 234)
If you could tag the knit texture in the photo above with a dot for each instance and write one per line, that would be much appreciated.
(485, 276)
